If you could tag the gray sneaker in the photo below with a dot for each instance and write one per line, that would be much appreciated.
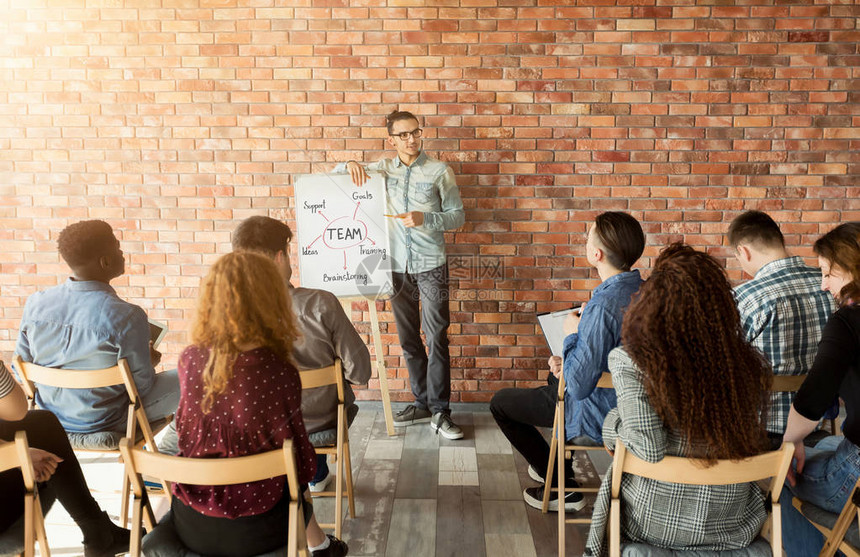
(411, 415)
(442, 423)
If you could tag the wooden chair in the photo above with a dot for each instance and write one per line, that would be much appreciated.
(120, 374)
(559, 440)
(675, 469)
(333, 375)
(791, 384)
(212, 471)
(835, 537)
(17, 455)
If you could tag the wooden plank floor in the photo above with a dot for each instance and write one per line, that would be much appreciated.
(417, 494)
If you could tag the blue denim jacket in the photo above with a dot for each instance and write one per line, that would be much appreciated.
(84, 325)
(586, 354)
(428, 186)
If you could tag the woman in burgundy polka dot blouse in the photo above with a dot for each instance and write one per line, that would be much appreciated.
(240, 395)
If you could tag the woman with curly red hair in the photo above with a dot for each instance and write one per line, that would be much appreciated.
(241, 395)
(826, 474)
(688, 385)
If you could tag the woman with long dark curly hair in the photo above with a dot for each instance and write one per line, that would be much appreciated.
(689, 385)
(825, 475)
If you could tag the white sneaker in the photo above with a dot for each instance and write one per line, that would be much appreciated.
(322, 484)
(533, 474)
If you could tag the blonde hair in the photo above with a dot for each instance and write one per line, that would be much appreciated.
(243, 300)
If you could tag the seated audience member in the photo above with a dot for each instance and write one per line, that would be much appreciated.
(826, 474)
(325, 331)
(689, 385)
(53, 463)
(241, 395)
(615, 242)
(783, 309)
(82, 325)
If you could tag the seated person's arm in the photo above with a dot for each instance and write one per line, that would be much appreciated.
(348, 345)
(586, 350)
(634, 421)
(133, 342)
(13, 402)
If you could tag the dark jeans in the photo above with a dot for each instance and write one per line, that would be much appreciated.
(429, 372)
(322, 469)
(236, 537)
(45, 432)
(518, 412)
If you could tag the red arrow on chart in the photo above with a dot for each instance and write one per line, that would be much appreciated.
(357, 205)
(323, 216)
(314, 242)
(344, 260)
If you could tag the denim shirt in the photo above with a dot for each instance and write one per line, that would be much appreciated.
(82, 325)
(427, 185)
(587, 351)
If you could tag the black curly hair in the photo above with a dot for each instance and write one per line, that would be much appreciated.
(83, 242)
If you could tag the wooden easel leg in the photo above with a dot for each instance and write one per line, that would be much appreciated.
(382, 373)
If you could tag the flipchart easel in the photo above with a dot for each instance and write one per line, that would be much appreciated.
(381, 370)
(340, 227)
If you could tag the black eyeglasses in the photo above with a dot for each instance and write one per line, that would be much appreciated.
(416, 133)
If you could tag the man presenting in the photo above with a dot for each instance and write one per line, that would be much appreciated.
(424, 201)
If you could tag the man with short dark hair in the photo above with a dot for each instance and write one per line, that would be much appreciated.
(327, 333)
(82, 325)
(783, 309)
(423, 196)
(615, 242)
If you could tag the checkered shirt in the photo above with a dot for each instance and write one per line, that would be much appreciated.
(663, 514)
(783, 312)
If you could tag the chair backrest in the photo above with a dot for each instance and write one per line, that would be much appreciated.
(32, 374)
(120, 374)
(206, 471)
(331, 375)
(17, 455)
(673, 469)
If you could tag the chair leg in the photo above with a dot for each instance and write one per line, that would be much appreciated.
(561, 493)
(550, 468)
(347, 462)
(776, 534)
(29, 525)
(293, 530)
(126, 492)
(39, 524)
(338, 498)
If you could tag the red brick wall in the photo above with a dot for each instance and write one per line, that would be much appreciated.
(173, 122)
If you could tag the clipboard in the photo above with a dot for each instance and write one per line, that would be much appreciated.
(157, 331)
(552, 325)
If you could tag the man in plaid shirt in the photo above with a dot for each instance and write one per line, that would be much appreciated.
(783, 309)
